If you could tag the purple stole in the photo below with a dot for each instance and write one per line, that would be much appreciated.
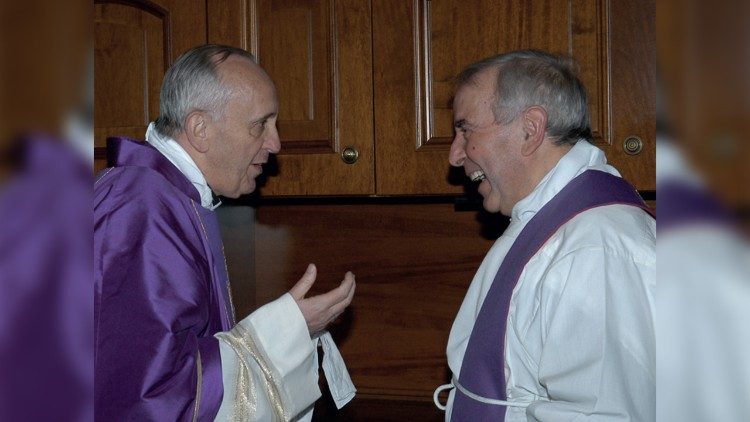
(220, 269)
(682, 204)
(482, 369)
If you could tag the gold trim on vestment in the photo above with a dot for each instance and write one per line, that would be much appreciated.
(246, 399)
(199, 388)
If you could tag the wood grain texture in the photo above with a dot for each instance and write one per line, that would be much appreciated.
(414, 67)
(388, 89)
(366, 409)
(413, 263)
(135, 41)
(227, 22)
(633, 73)
(305, 33)
(319, 55)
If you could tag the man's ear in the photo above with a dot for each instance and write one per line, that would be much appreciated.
(535, 128)
(196, 130)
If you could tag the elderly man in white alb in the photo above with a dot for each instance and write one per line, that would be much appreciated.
(557, 323)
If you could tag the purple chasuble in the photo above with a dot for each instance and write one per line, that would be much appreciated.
(160, 291)
(46, 311)
(482, 369)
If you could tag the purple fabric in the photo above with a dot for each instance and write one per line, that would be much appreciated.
(682, 204)
(46, 308)
(482, 369)
(160, 290)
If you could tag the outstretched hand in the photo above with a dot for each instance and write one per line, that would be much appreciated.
(321, 310)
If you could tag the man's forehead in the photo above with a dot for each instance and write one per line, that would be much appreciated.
(242, 72)
(472, 96)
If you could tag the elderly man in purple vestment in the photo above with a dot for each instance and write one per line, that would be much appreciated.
(167, 346)
(557, 324)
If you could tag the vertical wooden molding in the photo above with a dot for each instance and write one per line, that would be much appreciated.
(420, 65)
(333, 38)
(423, 78)
(604, 134)
(592, 50)
(251, 9)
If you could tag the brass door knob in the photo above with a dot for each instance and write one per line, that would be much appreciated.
(350, 155)
(632, 145)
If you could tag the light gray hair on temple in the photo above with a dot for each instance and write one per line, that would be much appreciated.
(192, 83)
(528, 78)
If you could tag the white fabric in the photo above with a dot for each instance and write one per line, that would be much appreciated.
(580, 337)
(337, 376)
(703, 339)
(281, 336)
(182, 160)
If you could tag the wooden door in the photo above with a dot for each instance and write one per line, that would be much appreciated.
(135, 41)
(319, 55)
(420, 45)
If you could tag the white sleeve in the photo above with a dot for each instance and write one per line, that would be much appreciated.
(269, 366)
(598, 359)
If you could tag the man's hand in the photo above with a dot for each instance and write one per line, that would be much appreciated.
(321, 310)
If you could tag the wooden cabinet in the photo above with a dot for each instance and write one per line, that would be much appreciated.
(135, 41)
(377, 76)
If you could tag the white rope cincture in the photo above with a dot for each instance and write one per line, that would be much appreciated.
(455, 384)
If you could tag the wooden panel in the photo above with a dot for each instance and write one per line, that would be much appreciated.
(237, 234)
(319, 55)
(589, 46)
(633, 85)
(227, 22)
(128, 57)
(446, 36)
(300, 29)
(454, 34)
(366, 409)
(413, 264)
(188, 24)
(135, 41)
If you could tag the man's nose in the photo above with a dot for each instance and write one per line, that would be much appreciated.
(457, 154)
(273, 142)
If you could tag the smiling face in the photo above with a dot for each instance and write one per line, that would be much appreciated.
(241, 140)
(488, 151)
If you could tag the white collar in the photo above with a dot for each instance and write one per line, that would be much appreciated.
(182, 160)
(583, 156)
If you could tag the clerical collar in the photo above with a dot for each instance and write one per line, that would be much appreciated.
(583, 156)
(181, 159)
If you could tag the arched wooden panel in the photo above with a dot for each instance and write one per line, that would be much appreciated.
(135, 41)
(132, 50)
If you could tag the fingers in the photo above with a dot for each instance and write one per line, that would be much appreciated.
(304, 284)
(339, 307)
(340, 293)
(339, 298)
(321, 310)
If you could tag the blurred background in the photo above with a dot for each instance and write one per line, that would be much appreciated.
(703, 195)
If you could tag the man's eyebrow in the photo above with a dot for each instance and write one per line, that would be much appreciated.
(266, 117)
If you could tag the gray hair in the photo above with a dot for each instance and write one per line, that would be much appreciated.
(192, 83)
(530, 77)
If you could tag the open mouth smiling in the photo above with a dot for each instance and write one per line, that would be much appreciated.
(477, 176)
